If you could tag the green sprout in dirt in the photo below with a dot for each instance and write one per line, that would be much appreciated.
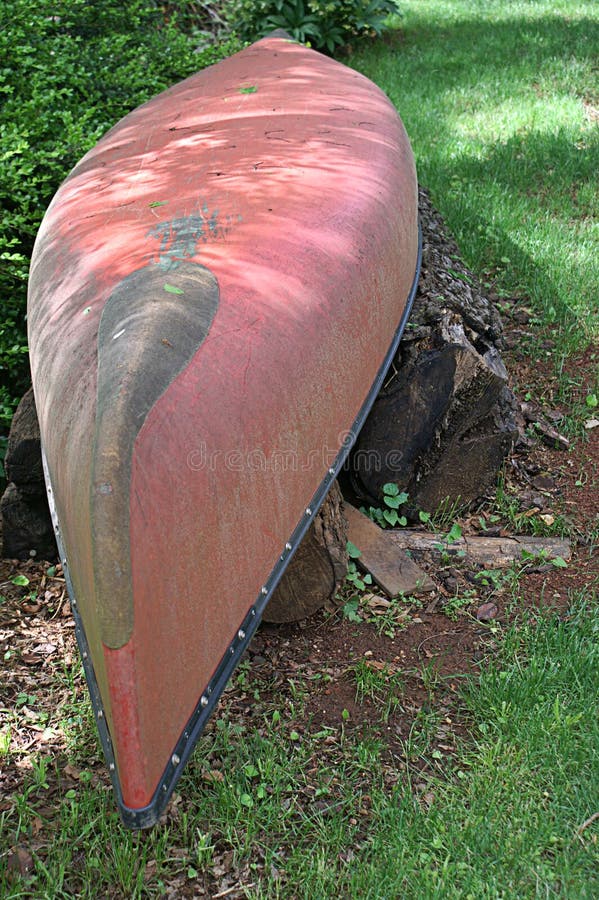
(380, 683)
(356, 582)
(446, 543)
(354, 577)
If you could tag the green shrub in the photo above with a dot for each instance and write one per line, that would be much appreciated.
(69, 69)
(325, 26)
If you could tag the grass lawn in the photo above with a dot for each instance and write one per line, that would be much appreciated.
(491, 792)
(501, 102)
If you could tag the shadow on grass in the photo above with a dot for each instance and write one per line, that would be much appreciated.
(491, 108)
(551, 185)
(475, 49)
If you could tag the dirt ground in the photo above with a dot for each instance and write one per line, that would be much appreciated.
(437, 641)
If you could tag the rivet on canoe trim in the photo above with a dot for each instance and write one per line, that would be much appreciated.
(111, 767)
(264, 591)
(84, 654)
(100, 714)
(331, 471)
(241, 634)
(175, 759)
(232, 650)
(287, 546)
(204, 701)
(308, 512)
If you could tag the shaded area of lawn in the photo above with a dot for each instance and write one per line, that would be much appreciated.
(501, 104)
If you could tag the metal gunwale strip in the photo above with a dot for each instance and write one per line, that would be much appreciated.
(147, 816)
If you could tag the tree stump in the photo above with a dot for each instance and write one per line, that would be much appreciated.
(26, 523)
(317, 568)
(446, 419)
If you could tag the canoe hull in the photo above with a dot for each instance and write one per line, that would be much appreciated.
(216, 292)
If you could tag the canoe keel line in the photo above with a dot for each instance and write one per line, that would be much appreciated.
(264, 316)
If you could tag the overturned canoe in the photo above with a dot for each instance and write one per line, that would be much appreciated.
(215, 294)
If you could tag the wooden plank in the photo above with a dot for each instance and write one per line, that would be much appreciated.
(496, 552)
(390, 566)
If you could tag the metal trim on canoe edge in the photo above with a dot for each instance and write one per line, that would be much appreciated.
(148, 815)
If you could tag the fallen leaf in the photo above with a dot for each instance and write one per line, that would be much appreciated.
(376, 665)
(20, 860)
(548, 519)
(532, 512)
(150, 870)
(31, 607)
(46, 649)
(376, 602)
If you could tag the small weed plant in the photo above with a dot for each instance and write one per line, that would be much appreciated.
(393, 498)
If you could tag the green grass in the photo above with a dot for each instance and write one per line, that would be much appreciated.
(507, 824)
(501, 102)
(323, 814)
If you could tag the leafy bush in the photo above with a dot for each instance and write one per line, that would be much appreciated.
(69, 69)
(325, 26)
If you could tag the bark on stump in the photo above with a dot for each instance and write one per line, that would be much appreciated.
(318, 567)
(26, 523)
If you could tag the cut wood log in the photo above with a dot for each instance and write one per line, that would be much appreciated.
(26, 523)
(318, 567)
(446, 418)
(390, 566)
(492, 552)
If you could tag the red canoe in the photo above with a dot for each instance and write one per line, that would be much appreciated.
(216, 291)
